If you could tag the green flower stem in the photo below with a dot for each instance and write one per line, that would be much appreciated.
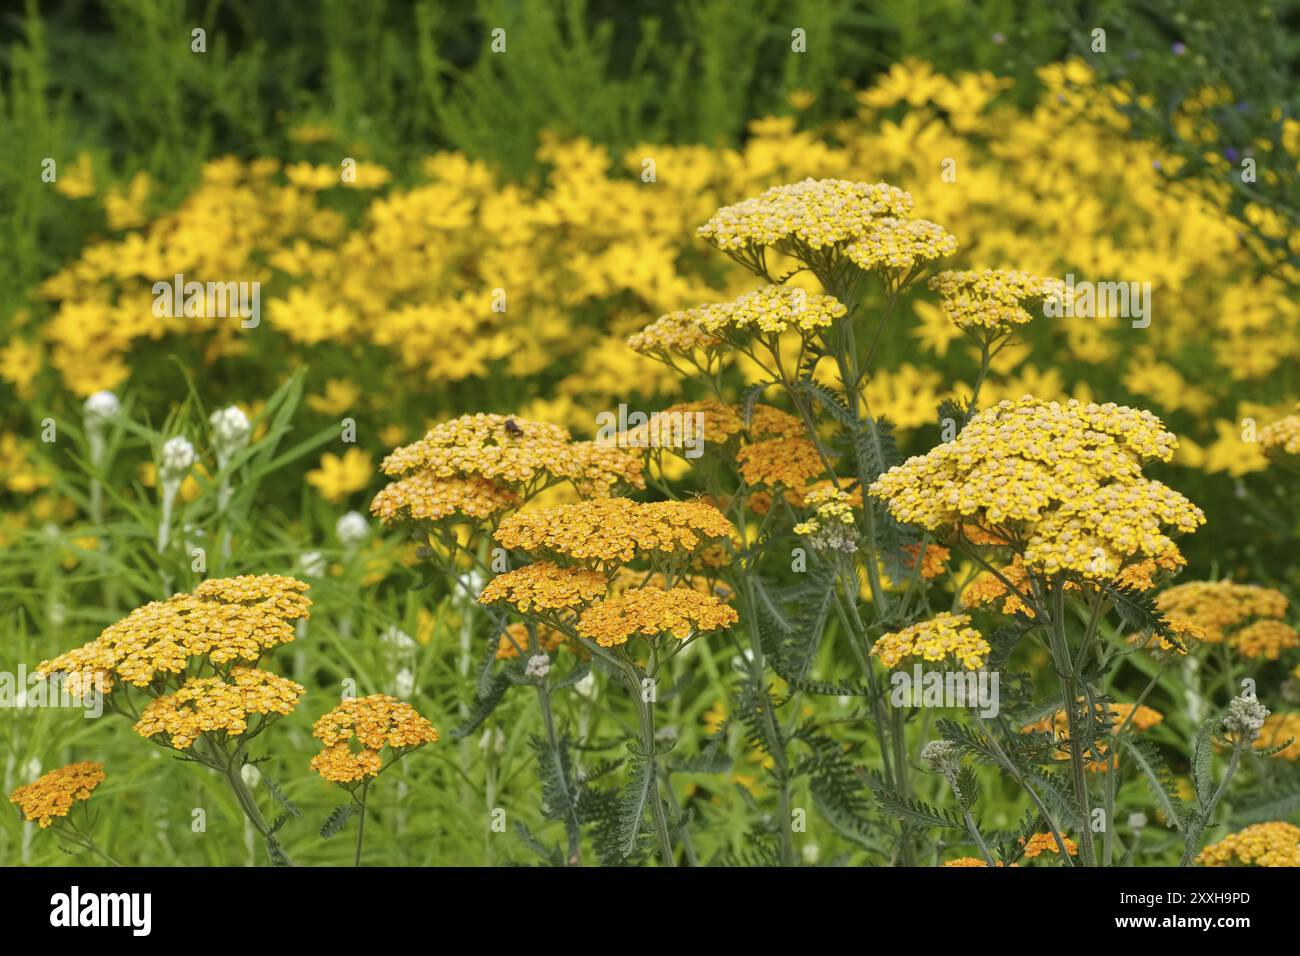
(1190, 848)
(645, 710)
(361, 826)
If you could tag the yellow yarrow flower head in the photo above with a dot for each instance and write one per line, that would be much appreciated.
(1062, 482)
(898, 249)
(1281, 440)
(612, 531)
(424, 497)
(994, 300)
(217, 705)
(54, 794)
(832, 526)
(946, 638)
(771, 311)
(371, 723)
(225, 620)
(812, 214)
(1263, 844)
(545, 586)
(516, 453)
(650, 612)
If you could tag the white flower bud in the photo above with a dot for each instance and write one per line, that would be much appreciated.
(100, 409)
(177, 458)
(1246, 716)
(230, 431)
(539, 665)
(351, 529)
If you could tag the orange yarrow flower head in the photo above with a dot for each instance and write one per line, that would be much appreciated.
(1263, 844)
(53, 794)
(225, 620)
(650, 612)
(1064, 481)
(369, 724)
(544, 587)
(219, 706)
(1247, 616)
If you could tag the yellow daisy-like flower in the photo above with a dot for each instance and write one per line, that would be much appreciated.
(372, 723)
(616, 530)
(339, 476)
(1264, 844)
(651, 611)
(945, 637)
(217, 705)
(53, 794)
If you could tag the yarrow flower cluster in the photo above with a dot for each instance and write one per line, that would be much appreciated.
(1245, 719)
(945, 637)
(217, 705)
(53, 795)
(677, 333)
(372, 723)
(832, 526)
(1263, 844)
(771, 311)
(545, 586)
(650, 612)
(992, 300)
(423, 496)
(1247, 616)
(615, 530)
(514, 640)
(1281, 439)
(516, 453)
(896, 247)
(225, 620)
(1065, 480)
(1041, 843)
(814, 213)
